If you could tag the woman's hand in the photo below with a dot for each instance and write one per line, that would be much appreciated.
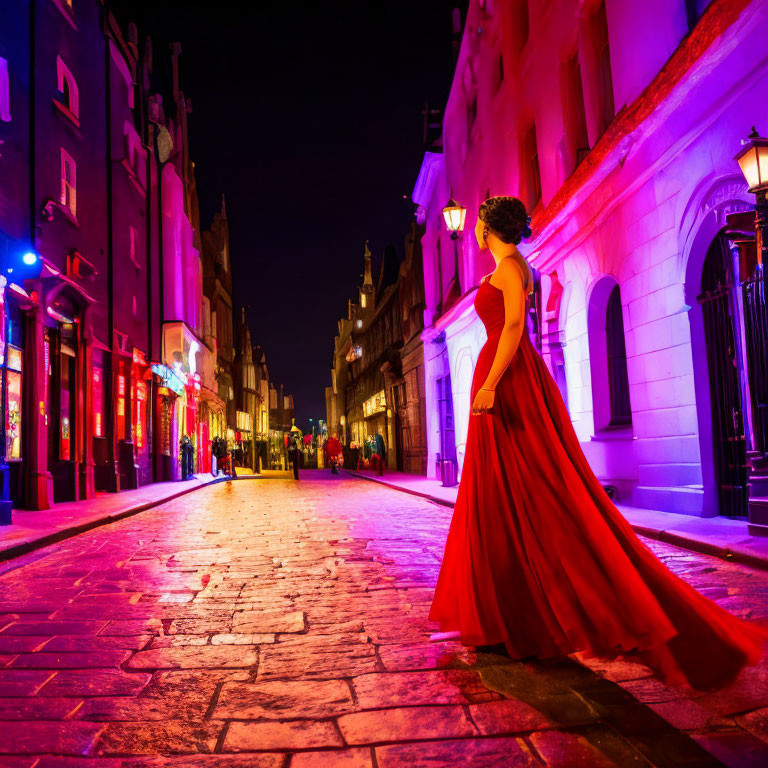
(483, 402)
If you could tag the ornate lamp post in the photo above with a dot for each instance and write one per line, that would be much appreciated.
(753, 160)
(454, 216)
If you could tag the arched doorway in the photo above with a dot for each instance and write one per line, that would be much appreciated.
(719, 301)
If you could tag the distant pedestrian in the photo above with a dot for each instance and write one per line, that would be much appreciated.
(294, 455)
(333, 453)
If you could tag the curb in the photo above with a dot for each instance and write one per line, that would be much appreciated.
(46, 540)
(665, 537)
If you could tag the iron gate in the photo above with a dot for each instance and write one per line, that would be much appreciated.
(729, 444)
(756, 333)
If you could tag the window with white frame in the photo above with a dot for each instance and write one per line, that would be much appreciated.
(5, 92)
(67, 86)
(68, 198)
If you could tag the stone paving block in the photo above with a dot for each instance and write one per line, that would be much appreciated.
(54, 628)
(195, 657)
(406, 724)
(755, 722)
(652, 691)
(260, 622)
(95, 682)
(422, 656)
(288, 735)
(276, 700)
(177, 641)
(358, 757)
(199, 626)
(559, 749)
(138, 613)
(390, 689)
(21, 643)
(165, 736)
(64, 660)
(144, 708)
(618, 670)
(192, 681)
(128, 628)
(684, 714)
(242, 639)
(473, 753)
(22, 682)
(7, 761)
(735, 749)
(748, 691)
(38, 708)
(508, 716)
(82, 644)
(70, 738)
(317, 657)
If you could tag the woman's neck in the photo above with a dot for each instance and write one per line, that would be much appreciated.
(502, 251)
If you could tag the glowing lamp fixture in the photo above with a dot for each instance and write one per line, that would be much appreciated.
(454, 215)
(753, 160)
(29, 258)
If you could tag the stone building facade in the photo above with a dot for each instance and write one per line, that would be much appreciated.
(617, 124)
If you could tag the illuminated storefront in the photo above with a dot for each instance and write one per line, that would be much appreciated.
(169, 388)
(200, 410)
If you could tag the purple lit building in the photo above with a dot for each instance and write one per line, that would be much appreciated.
(617, 123)
(107, 350)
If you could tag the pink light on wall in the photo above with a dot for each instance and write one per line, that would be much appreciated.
(182, 272)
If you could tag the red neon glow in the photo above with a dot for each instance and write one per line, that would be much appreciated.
(98, 402)
(121, 407)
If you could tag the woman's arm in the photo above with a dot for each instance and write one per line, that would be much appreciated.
(511, 282)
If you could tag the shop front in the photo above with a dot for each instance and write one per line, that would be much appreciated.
(374, 434)
(191, 361)
(243, 450)
(167, 408)
(211, 423)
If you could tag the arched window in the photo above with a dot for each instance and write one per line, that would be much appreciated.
(608, 357)
(67, 85)
(616, 354)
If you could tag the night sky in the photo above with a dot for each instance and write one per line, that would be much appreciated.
(308, 117)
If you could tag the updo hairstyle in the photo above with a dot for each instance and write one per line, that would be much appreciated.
(506, 217)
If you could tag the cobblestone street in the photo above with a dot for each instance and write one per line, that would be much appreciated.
(264, 623)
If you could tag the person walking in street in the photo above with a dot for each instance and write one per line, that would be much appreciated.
(333, 453)
(537, 557)
(294, 456)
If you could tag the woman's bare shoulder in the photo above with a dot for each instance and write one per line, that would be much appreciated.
(510, 272)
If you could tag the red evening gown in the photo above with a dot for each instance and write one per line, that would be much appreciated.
(538, 558)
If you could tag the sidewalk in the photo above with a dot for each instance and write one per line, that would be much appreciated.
(719, 536)
(32, 529)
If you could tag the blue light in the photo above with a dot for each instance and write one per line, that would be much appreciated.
(29, 258)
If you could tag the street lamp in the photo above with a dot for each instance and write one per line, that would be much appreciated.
(454, 215)
(753, 160)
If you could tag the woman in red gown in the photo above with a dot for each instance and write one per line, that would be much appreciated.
(537, 557)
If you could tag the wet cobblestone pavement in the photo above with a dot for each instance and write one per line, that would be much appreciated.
(268, 624)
